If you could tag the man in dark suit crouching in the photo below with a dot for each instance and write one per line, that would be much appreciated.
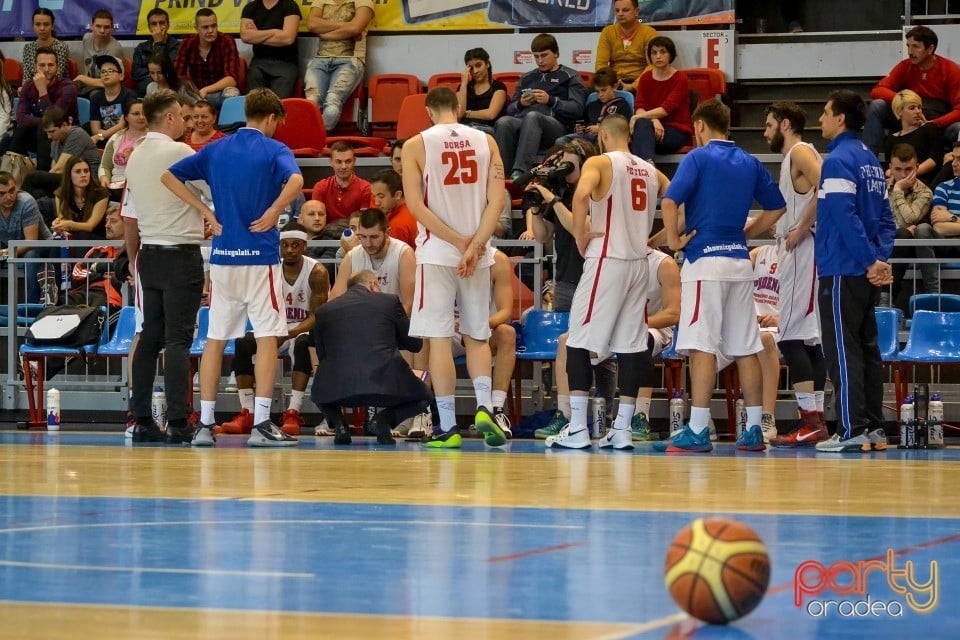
(358, 337)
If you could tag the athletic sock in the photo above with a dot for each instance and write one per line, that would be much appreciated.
(481, 388)
(261, 410)
(806, 401)
(819, 396)
(447, 407)
(624, 416)
(699, 419)
(754, 415)
(499, 399)
(246, 399)
(207, 408)
(296, 400)
(578, 412)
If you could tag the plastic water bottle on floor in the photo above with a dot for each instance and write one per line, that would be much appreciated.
(677, 410)
(908, 438)
(599, 426)
(53, 410)
(741, 415)
(935, 422)
(158, 408)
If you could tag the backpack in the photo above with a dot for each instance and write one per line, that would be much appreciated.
(67, 326)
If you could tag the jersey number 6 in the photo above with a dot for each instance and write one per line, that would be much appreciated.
(638, 192)
(463, 167)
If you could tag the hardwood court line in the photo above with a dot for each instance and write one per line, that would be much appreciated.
(535, 552)
(206, 572)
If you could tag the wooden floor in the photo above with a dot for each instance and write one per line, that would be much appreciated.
(100, 539)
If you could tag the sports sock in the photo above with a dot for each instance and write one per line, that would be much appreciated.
(754, 414)
(499, 399)
(206, 411)
(624, 416)
(819, 398)
(447, 407)
(699, 418)
(246, 399)
(296, 400)
(578, 412)
(481, 387)
(806, 401)
(261, 410)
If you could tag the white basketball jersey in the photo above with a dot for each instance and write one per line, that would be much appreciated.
(655, 292)
(797, 203)
(387, 269)
(766, 284)
(455, 172)
(625, 213)
(297, 295)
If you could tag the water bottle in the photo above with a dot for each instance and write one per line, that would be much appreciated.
(677, 411)
(53, 410)
(599, 426)
(935, 422)
(347, 234)
(741, 412)
(907, 424)
(158, 408)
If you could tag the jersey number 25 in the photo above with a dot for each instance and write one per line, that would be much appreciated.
(463, 167)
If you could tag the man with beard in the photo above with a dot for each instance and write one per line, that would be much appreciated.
(799, 324)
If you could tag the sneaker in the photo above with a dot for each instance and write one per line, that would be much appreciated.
(487, 425)
(180, 435)
(751, 439)
(568, 439)
(503, 422)
(421, 426)
(242, 423)
(267, 434)
(640, 428)
(769, 427)
(619, 439)
(855, 444)
(292, 422)
(341, 433)
(380, 425)
(322, 429)
(440, 439)
(686, 442)
(131, 423)
(147, 433)
(231, 383)
(810, 431)
(553, 428)
(878, 439)
(204, 436)
(711, 430)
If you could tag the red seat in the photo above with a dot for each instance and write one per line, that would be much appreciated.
(386, 93)
(413, 116)
(302, 130)
(72, 65)
(128, 75)
(347, 130)
(509, 78)
(12, 71)
(449, 80)
(242, 80)
(587, 77)
(709, 83)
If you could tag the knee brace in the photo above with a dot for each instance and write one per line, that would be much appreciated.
(630, 367)
(815, 352)
(244, 350)
(300, 354)
(579, 373)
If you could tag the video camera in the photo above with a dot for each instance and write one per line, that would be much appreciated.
(551, 173)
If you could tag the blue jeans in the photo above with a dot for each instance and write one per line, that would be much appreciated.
(880, 120)
(520, 138)
(329, 82)
(570, 137)
(645, 144)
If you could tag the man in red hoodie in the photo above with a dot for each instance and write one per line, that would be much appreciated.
(935, 79)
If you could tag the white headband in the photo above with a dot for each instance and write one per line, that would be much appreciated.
(293, 234)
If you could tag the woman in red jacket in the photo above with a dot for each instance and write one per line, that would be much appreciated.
(661, 119)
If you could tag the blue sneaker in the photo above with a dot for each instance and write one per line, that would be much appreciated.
(751, 439)
(686, 442)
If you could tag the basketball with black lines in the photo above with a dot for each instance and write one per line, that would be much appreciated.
(717, 570)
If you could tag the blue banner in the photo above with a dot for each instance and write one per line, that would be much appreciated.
(599, 13)
(71, 17)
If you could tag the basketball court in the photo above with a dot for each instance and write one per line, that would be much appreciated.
(102, 540)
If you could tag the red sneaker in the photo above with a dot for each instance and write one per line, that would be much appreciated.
(291, 422)
(812, 429)
(242, 423)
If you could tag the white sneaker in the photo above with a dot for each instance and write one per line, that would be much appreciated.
(322, 429)
(204, 436)
(568, 439)
(231, 383)
(620, 439)
(422, 425)
(267, 434)
(503, 422)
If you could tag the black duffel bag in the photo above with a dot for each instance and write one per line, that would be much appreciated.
(67, 326)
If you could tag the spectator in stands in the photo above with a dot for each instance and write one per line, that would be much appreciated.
(387, 190)
(624, 46)
(160, 42)
(204, 126)
(43, 90)
(944, 223)
(343, 192)
(112, 171)
(273, 33)
(106, 105)
(313, 218)
(163, 75)
(607, 102)
(81, 203)
(20, 220)
(910, 201)
(100, 42)
(934, 78)
(481, 98)
(661, 118)
(395, 161)
(187, 112)
(7, 117)
(337, 70)
(547, 102)
(210, 60)
(915, 131)
(96, 284)
(43, 21)
(67, 141)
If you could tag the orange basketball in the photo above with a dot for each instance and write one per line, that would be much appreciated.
(717, 570)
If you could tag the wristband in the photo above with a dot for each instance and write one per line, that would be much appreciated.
(553, 202)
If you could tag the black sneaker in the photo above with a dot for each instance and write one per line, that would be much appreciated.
(441, 439)
(267, 434)
(147, 433)
(179, 433)
(381, 424)
(341, 433)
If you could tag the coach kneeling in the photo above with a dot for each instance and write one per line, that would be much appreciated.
(358, 337)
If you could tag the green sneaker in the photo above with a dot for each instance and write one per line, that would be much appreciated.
(444, 439)
(553, 428)
(641, 428)
(486, 424)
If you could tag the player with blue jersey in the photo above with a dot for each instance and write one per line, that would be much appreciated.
(855, 233)
(717, 184)
(253, 178)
